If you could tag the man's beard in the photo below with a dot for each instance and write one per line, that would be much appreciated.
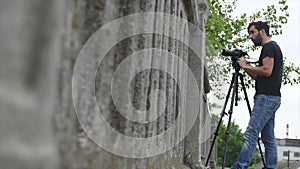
(258, 40)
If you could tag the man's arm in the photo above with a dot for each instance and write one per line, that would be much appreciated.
(264, 70)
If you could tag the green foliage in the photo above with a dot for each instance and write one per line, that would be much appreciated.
(224, 31)
(235, 144)
(256, 158)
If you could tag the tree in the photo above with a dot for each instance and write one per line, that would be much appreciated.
(235, 144)
(224, 31)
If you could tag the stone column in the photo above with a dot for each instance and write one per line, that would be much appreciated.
(40, 46)
(30, 44)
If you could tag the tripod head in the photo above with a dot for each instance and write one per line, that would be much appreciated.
(235, 55)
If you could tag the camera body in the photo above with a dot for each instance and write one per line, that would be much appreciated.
(235, 55)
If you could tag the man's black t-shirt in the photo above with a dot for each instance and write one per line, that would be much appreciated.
(270, 85)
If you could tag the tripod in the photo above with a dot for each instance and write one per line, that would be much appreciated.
(234, 97)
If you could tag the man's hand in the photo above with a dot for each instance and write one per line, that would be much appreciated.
(242, 62)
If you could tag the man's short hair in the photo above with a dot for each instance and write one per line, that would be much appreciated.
(259, 25)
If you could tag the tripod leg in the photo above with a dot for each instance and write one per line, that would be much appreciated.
(216, 133)
(249, 109)
(230, 116)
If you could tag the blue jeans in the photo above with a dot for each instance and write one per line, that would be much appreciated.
(261, 121)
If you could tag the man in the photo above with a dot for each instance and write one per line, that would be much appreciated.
(268, 77)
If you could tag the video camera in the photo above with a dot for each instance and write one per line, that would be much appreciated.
(235, 55)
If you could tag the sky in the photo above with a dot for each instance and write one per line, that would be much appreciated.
(289, 42)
